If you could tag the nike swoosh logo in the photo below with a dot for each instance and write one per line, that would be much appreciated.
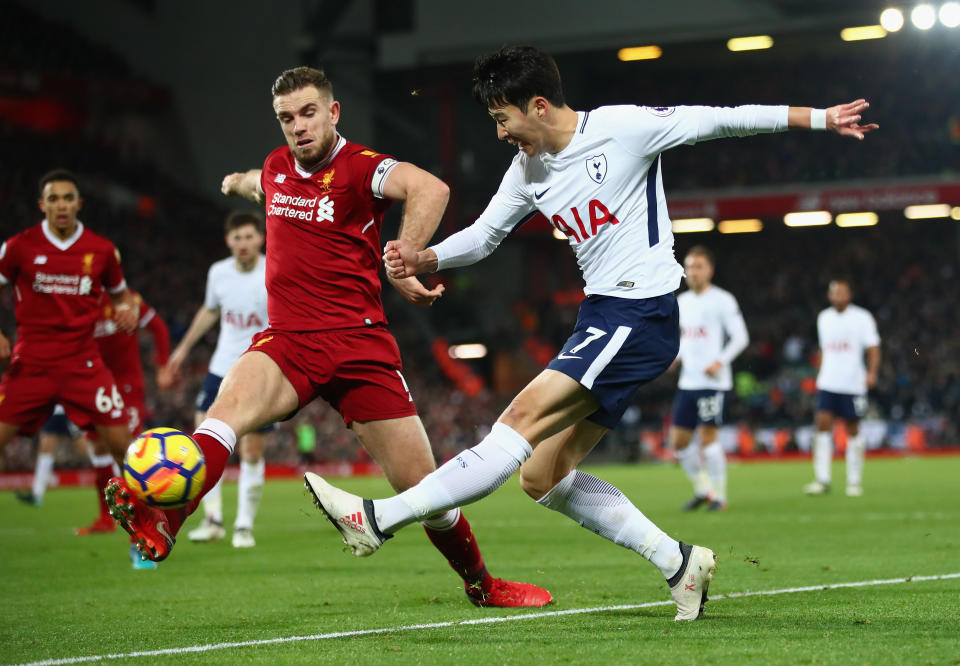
(539, 195)
(163, 531)
(562, 356)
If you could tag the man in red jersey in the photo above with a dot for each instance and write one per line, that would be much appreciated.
(120, 351)
(325, 199)
(59, 269)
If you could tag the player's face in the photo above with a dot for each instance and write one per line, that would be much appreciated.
(60, 201)
(839, 295)
(517, 128)
(698, 271)
(244, 242)
(308, 120)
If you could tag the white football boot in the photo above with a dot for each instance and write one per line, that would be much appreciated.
(243, 538)
(689, 585)
(816, 488)
(350, 514)
(207, 531)
(854, 491)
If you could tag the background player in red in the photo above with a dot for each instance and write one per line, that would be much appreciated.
(120, 351)
(59, 270)
(325, 199)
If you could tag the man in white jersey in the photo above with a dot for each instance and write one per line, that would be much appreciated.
(712, 334)
(596, 176)
(845, 331)
(236, 295)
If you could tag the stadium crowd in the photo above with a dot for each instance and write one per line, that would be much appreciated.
(522, 302)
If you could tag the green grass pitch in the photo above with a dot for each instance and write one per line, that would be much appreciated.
(64, 597)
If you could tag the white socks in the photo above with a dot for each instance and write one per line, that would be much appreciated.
(444, 521)
(220, 431)
(822, 456)
(249, 490)
(213, 503)
(601, 508)
(473, 474)
(42, 475)
(856, 449)
(716, 461)
(689, 459)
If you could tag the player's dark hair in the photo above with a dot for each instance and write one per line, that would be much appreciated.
(515, 75)
(301, 77)
(240, 218)
(57, 175)
(703, 251)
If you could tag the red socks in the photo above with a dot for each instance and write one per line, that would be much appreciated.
(216, 455)
(459, 546)
(102, 477)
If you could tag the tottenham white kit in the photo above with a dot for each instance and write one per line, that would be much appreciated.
(241, 298)
(844, 337)
(711, 329)
(604, 191)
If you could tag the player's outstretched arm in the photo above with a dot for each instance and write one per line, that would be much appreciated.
(844, 119)
(202, 322)
(244, 184)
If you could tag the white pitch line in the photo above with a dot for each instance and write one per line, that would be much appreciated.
(485, 620)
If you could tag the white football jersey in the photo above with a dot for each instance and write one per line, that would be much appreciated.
(844, 337)
(711, 329)
(604, 191)
(241, 298)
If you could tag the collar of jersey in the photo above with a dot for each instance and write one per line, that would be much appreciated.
(553, 158)
(56, 242)
(341, 142)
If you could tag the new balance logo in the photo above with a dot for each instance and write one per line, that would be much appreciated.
(325, 209)
(354, 521)
(162, 529)
(40, 259)
(280, 178)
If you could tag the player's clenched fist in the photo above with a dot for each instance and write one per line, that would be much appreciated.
(400, 259)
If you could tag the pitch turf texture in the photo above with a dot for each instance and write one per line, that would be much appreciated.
(64, 597)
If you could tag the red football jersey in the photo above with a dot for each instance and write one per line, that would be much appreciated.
(120, 351)
(323, 239)
(57, 289)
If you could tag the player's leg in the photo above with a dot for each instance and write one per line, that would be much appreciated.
(856, 453)
(822, 445)
(401, 449)
(254, 392)
(688, 455)
(249, 487)
(716, 463)
(211, 527)
(104, 468)
(47, 442)
(548, 405)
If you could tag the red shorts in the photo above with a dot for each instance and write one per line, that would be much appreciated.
(85, 388)
(356, 370)
(134, 410)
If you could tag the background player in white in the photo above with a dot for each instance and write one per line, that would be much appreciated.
(845, 331)
(236, 296)
(596, 176)
(712, 334)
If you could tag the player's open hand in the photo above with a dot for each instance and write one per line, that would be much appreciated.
(413, 290)
(4, 347)
(400, 259)
(844, 119)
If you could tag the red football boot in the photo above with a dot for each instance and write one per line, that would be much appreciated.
(499, 593)
(102, 525)
(149, 527)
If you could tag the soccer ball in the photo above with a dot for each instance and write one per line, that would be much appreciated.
(165, 468)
